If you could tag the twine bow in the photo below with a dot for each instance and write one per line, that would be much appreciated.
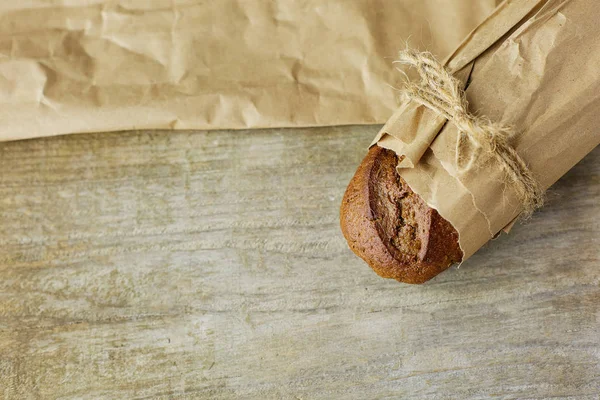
(441, 92)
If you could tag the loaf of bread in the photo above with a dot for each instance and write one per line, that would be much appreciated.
(391, 228)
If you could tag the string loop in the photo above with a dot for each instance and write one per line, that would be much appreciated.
(444, 94)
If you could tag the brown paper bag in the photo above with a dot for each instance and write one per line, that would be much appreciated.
(532, 65)
(102, 65)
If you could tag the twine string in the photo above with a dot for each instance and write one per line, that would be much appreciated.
(443, 93)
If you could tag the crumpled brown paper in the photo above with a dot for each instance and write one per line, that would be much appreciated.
(71, 66)
(532, 65)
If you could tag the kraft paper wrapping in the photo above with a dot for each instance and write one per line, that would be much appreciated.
(71, 66)
(542, 77)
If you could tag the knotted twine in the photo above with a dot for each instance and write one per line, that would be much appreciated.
(444, 94)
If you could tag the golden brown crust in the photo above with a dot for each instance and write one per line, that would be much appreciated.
(391, 227)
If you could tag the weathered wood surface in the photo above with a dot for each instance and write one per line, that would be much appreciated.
(210, 265)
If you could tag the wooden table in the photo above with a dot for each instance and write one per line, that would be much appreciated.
(210, 265)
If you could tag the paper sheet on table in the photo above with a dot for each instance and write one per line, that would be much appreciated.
(71, 66)
(532, 65)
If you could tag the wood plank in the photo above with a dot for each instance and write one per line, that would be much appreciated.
(211, 265)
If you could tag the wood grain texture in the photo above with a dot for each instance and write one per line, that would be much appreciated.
(211, 265)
